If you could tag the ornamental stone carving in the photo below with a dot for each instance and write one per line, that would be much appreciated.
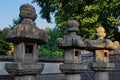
(72, 44)
(71, 40)
(26, 31)
(24, 68)
(101, 49)
(26, 38)
(100, 42)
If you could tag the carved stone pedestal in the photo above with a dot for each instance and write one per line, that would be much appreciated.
(24, 71)
(72, 70)
(101, 70)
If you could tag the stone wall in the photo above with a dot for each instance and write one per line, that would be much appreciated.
(52, 72)
(115, 74)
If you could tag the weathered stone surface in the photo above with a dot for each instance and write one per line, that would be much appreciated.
(102, 66)
(101, 49)
(26, 38)
(101, 43)
(25, 77)
(101, 55)
(100, 32)
(73, 77)
(24, 68)
(28, 11)
(72, 26)
(72, 45)
(101, 76)
(57, 76)
(72, 56)
(73, 68)
(72, 40)
(26, 31)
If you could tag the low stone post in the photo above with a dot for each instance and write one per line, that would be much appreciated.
(72, 45)
(101, 49)
(26, 38)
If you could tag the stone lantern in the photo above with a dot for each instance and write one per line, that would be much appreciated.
(26, 38)
(72, 45)
(101, 49)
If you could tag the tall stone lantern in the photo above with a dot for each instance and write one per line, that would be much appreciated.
(101, 49)
(72, 45)
(26, 38)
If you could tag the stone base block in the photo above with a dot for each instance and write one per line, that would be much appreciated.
(72, 77)
(24, 68)
(73, 68)
(101, 66)
(101, 76)
(25, 78)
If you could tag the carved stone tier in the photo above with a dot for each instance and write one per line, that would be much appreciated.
(73, 68)
(24, 68)
(99, 44)
(26, 31)
(102, 66)
(72, 40)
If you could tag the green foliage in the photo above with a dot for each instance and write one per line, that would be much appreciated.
(89, 13)
(8, 48)
(51, 50)
(4, 45)
(15, 22)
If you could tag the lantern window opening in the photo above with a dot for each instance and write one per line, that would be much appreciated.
(28, 49)
(76, 55)
(105, 54)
